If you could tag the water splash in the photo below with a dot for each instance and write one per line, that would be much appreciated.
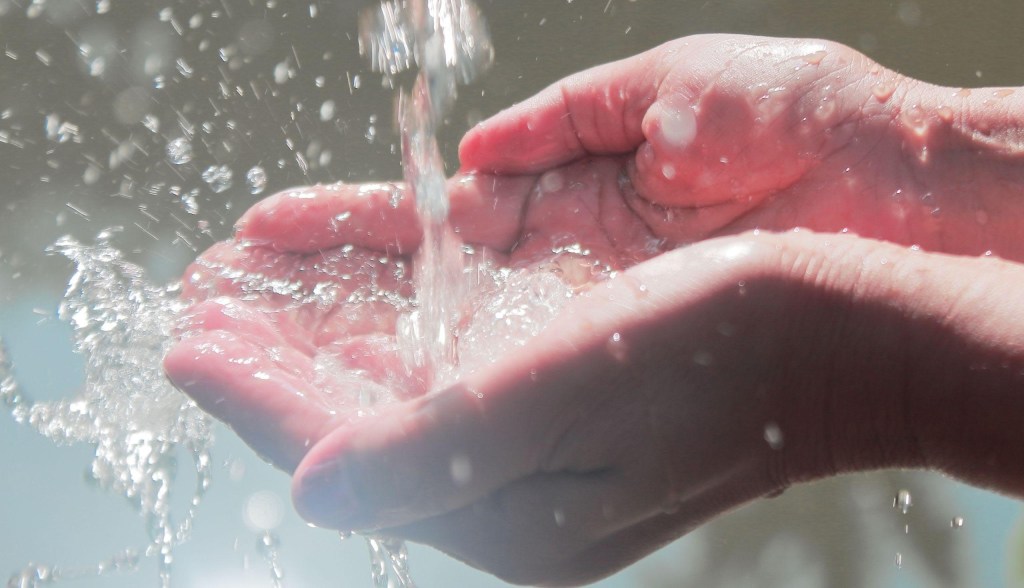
(127, 410)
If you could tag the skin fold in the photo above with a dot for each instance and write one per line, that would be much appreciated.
(806, 243)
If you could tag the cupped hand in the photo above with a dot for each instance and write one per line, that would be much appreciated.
(690, 384)
(717, 134)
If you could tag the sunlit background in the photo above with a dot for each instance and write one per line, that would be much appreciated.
(170, 118)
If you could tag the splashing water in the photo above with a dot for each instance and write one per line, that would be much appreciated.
(127, 410)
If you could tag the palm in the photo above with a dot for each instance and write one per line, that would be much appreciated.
(292, 332)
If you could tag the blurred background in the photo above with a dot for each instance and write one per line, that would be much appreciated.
(169, 118)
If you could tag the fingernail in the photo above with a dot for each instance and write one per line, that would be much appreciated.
(324, 496)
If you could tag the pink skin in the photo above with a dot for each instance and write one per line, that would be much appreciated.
(863, 353)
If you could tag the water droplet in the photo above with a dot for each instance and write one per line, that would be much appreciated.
(190, 201)
(678, 127)
(957, 522)
(327, 110)
(816, 58)
(903, 501)
(703, 358)
(219, 178)
(899, 560)
(256, 178)
(669, 171)
(179, 151)
(559, 515)
(773, 436)
(552, 181)
(263, 511)
(461, 470)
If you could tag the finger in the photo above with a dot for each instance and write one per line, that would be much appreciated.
(485, 210)
(598, 111)
(273, 408)
(408, 461)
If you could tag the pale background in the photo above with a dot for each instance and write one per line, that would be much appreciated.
(262, 103)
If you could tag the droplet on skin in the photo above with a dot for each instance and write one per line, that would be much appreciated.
(678, 127)
(883, 91)
(669, 171)
(945, 114)
(816, 58)
(552, 181)
(617, 347)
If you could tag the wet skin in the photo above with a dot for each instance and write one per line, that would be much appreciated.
(585, 456)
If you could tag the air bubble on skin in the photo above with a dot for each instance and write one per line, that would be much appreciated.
(678, 127)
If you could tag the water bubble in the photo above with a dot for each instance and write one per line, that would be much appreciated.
(256, 179)
(179, 151)
(218, 177)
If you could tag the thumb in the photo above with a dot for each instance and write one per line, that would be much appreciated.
(417, 459)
